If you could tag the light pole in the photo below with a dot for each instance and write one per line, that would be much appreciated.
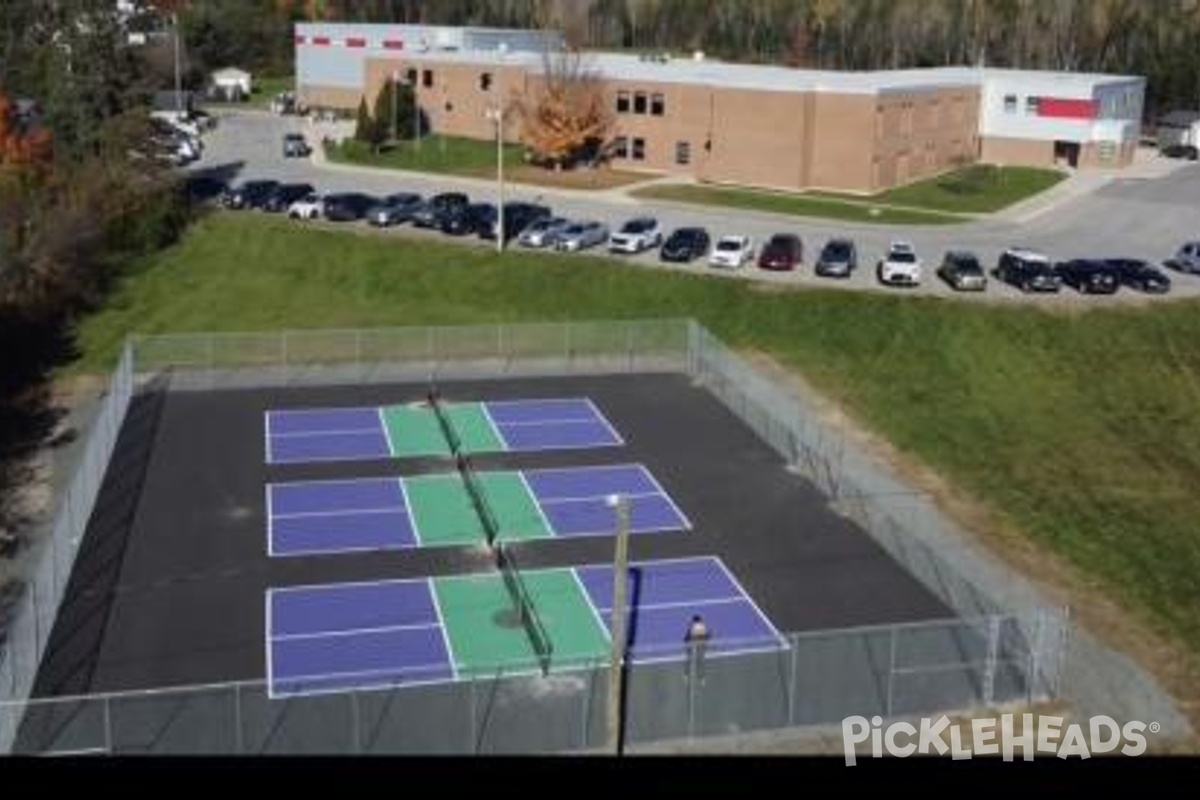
(616, 668)
(178, 74)
(497, 115)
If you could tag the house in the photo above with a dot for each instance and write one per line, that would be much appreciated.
(231, 83)
(1179, 127)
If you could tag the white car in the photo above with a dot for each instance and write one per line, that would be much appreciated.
(307, 207)
(542, 232)
(732, 252)
(900, 266)
(636, 235)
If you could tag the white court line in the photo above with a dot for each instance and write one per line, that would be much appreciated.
(267, 437)
(677, 560)
(332, 634)
(750, 600)
(314, 410)
(326, 459)
(633, 530)
(270, 523)
(537, 504)
(412, 516)
(589, 497)
(525, 402)
(387, 435)
(595, 611)
(604, 420)
(495, 428)
(712, 601)
(330, 551)
(349, 512)
(590, 468)
(317, 588)
(541, 423)
(366, 673)
(437, 607)
(650, 476)
(332, 481)
(314, 434)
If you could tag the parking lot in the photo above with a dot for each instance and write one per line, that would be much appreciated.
(1132, 217)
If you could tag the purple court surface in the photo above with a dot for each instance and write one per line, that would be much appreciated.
(354, 636)
(309, 435)
(346, 516)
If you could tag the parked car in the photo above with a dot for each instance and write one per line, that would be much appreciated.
(296, 146)
(962, 271)
(251, 194)
(684, 245)
(204, 188)
(1028, 270)
(838, 259)
(636, 235)
(394, 209)
(474, 218)
(1089, 276)
(542, 232)
(518, 216)
(438, 208)
(348, 206)
(1186, 258)
(284, 195)
(1140, 275)
(311, 206)
(732, 252)
(581, 235)
(1186, 151)
(899, 266)
(783, 251)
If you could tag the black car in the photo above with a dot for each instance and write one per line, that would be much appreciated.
(517, 217)
(284, 195)
(1186, 151)
(684, 245)
(1028, 270)
(1140, 275)
(838, 259)
(469, 219)
(394, 209)
(438, 208)
(204, 188)
(1089, 276)
(962, 272)
(251, 194)
(348, 206)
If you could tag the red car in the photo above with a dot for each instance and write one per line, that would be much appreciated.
(784, 251)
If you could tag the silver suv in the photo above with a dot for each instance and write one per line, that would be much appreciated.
(295, 146)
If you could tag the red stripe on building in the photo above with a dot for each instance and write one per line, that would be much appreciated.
(300, 40)
(356, 42)
(393, 44)
(1057, 108)
(322, 41)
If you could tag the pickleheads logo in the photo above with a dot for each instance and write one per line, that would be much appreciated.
(987, 738)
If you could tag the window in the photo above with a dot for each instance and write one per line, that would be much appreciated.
(683, 153)
(622, 102)
(639, 149)
(1031, 105)
(427, 78)
(485, 82)
(657, 103)
(1010, 104)
(411, 77)
(620, 147)
(639, 103)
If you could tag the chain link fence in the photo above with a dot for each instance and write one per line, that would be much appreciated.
(1006, 646)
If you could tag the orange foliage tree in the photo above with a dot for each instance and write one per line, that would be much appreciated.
(22, 149)
(566, 117)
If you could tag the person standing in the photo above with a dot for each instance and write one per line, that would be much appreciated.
(696, 640)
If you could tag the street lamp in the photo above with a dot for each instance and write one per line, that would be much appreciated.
(616, 669)
(497, 115)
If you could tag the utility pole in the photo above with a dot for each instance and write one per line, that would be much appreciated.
(178, 73)
(616, 669)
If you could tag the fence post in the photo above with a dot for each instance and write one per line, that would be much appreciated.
(792, 690)
(891, 669)
(989, 674)
(108, 737)
(239, 737)
(473, 749)
(356, 733)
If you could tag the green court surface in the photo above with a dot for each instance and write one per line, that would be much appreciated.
(485, 636)
(414, 430)
(443, 514)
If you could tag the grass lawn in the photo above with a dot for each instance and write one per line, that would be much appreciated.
(1080, 431)
(454, 155)
(796, 204)
(977, 189)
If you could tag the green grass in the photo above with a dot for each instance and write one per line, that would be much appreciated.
(448, 155)
(1080, 430)
(978, 189)
(797, 205)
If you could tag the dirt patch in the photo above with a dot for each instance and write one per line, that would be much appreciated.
(575, 178)
(1175, 667)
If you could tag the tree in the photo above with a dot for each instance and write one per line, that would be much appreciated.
(567, 118)
(365, 129)
(394, 113)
